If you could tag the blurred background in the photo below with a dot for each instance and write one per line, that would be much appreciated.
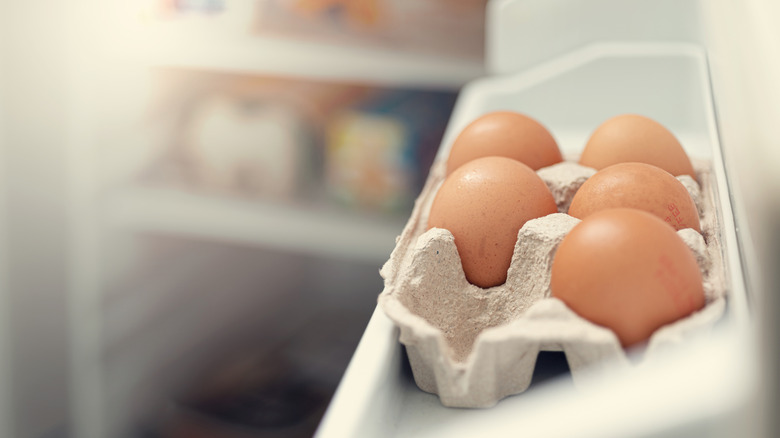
(196, 196)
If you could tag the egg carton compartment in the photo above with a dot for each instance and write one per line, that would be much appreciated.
(475, 346)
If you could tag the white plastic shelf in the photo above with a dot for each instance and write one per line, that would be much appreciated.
(308, 230)
(181, 45)
(378, 397)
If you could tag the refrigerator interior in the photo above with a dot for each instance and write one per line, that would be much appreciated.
(240, 192)
(152, 285)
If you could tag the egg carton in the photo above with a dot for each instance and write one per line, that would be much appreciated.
(475, 346)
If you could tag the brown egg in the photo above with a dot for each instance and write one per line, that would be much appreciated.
(641, 186)
(634, 138)
(484, 203)
(627, 270)
(505, 134)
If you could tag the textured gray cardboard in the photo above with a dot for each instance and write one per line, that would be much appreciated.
(475, 346)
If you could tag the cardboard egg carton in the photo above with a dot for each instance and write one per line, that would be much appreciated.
(475, 346)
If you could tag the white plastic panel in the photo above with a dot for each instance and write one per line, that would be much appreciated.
(575, 93)
(694, 394)
(524, 33)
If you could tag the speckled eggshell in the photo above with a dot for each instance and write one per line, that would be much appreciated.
(505, 134)
(484, 203)
(641, 186)
(635, 138)
(627, 270)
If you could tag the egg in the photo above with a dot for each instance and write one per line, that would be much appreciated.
(505, 134)
(484, 203)
(635, 138)
(641, 186)
(627, 270)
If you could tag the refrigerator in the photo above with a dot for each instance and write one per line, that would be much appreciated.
(198, 197)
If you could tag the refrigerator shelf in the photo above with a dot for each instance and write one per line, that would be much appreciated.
(317, 232)
(181, 45)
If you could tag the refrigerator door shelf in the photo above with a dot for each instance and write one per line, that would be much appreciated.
(572, 95)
